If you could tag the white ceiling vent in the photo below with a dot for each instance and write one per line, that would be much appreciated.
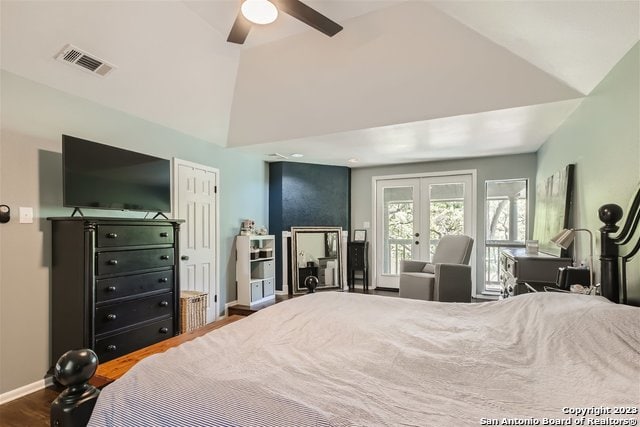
(88, 62)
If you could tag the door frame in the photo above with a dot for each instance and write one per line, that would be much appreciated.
(175, 163)
(474, 214)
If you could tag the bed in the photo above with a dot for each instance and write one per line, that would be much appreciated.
(344, 359)
(337, 359)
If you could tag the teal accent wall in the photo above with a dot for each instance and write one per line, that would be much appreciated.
(602, 137)
(33, 118)
(306, 195)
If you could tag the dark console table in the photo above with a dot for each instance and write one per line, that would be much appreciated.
(518, 267)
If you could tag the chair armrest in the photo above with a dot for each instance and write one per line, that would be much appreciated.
(453, 283)
(410, 266)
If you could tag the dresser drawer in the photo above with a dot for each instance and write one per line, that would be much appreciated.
(124, 261)
(132, 235)
(119, 287)
(115, 316)
(113, 346)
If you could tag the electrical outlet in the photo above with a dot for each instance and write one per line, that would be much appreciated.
(26, 215)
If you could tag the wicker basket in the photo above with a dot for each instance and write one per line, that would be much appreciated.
(193, 310)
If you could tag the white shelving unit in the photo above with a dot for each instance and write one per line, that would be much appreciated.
(255, 278)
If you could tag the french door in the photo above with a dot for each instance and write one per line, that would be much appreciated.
(412, 214)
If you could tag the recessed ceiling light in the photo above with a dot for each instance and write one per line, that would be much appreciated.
(259, 11)
(353, 160)
(297, 155)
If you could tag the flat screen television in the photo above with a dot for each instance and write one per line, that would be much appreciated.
(103, 177)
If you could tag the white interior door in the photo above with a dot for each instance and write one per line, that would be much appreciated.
(195, 201)
(411, 216)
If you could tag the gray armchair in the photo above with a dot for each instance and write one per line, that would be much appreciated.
(446, 278)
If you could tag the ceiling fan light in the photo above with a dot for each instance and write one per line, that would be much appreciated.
(259, 11)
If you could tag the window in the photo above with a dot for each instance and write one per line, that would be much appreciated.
(506, 211)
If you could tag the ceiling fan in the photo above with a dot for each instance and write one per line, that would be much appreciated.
(266, 11)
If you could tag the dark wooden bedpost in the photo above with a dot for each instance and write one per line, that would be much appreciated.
(609, 262)
(73, 407)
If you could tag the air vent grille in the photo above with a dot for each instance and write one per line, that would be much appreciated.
(86, 61)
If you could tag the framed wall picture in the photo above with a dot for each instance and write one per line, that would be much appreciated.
(553, 209)
(359, 235)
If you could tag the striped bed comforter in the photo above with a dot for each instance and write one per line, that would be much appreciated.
(338, 359)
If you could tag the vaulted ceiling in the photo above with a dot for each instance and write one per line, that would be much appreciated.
(404, 81)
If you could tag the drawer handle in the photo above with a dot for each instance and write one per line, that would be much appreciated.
(164, 257)
(111, 317)
(111, 348)
(164, 330)
(163, 303)
(164, 234)
(112, 235)
(163, 280)
(111, 289)
(112, 262)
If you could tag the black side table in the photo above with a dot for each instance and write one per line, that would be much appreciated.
(358, 260)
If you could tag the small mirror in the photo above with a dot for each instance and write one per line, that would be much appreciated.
(316, 251)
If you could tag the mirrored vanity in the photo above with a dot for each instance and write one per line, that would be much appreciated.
(316, 251)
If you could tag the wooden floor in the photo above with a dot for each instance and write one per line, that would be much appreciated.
(33, 410)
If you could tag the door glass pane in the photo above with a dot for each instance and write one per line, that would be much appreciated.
(446, 212)
(505, 222)
(398, 227)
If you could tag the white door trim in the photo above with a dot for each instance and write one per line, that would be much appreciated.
(474, 207)
(174, 188)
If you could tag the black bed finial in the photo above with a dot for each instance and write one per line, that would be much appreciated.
(73, 406)
(610, 214)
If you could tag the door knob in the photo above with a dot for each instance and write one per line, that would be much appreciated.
(417, 234)
(417, 242)
(111, 316)
(184, 257)
(164, 257)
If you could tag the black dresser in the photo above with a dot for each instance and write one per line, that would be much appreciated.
(115, 284)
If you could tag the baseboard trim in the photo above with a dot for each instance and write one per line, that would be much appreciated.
(25, 389)
(227, 305)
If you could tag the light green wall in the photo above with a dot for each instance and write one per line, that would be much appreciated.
(602, 137)
(488, 168)
(33, 118)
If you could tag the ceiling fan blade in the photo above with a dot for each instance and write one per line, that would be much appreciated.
(309, 16)
(240, 29)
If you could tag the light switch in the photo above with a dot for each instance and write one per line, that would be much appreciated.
(26, 215)
(366, 224)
